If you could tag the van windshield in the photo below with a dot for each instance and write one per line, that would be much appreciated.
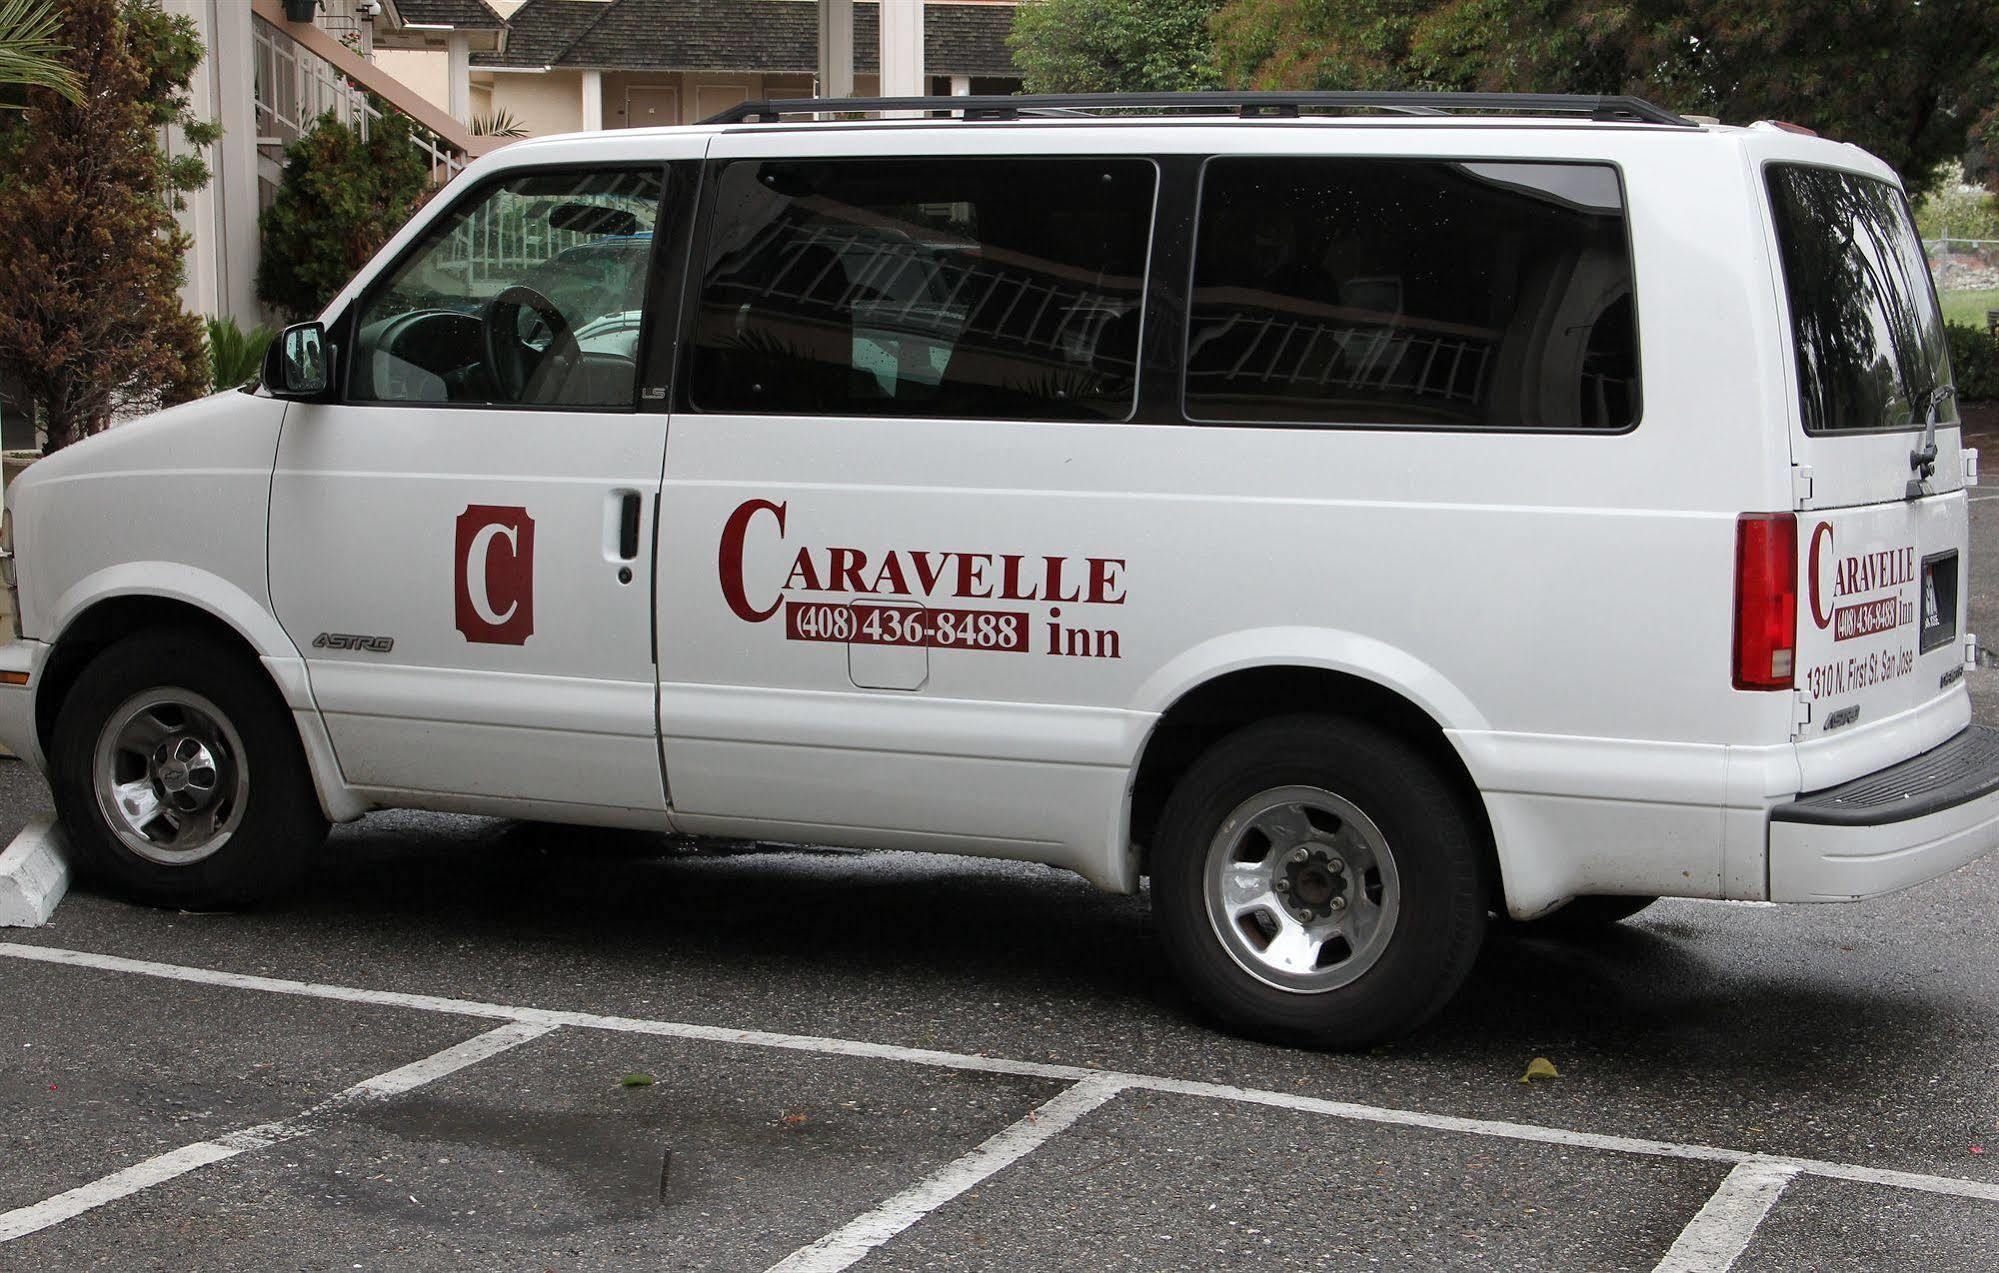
(1870, 340)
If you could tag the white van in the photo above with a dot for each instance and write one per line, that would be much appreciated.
(1356, 513)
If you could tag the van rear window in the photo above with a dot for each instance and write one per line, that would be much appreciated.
(1406, 292)
(1869, 339)
(994, 288)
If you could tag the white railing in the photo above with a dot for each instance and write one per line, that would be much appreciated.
(507, 237)
(295, 87)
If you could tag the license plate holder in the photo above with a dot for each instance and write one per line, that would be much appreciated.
(1939, 600)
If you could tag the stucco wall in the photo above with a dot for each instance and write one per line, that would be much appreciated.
(426, 71)
(544, 103)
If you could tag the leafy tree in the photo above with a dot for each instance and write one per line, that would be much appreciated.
(31, 53)
(1954, 209)
(341, 198)
(90, 255)
(1107, 46)
(1907, 79)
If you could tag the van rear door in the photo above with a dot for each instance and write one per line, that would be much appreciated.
(1881, 541)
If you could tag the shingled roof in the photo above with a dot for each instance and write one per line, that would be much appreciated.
(464, 15)
(774, 36)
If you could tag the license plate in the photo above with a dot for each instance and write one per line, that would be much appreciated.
(1939, 600)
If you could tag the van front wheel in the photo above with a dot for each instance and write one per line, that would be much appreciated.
(179, 776)
(1317, 880)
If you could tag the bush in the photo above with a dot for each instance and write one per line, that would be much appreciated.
(342, 196)
(1974, 362)
(1106, 46)
(235, 357)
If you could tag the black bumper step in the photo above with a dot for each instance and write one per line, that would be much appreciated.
(1955, 773)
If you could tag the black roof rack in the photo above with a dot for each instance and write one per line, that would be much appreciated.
(1264, 105)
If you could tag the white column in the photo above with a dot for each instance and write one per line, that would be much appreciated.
(200, 218)
(836, 48)
(593, 101)
(233, 160)
(961, 86)
(902, 48)
(458, 76)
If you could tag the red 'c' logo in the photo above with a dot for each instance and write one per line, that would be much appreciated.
(1821, 538)
(495, 574)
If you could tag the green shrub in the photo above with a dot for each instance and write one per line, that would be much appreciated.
(235, 356)
(1974, 362)
(342, 196)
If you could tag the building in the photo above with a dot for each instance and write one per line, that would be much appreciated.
(572, 65)
(551, 65)
(265, 79)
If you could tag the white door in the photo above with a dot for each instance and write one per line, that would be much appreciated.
(462, 543)
(712, 99)
(1880, 542)
(649, 106)
(893, 363)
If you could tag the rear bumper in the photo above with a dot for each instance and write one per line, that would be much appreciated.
(1886, 830)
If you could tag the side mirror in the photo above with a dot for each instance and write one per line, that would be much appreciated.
(297, 365)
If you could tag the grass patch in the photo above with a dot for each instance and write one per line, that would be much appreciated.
(1969, 307)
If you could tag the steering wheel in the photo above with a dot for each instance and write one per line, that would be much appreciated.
(513, 362)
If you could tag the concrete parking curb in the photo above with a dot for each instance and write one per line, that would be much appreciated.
(34, 875)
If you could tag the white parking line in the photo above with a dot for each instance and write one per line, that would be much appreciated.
(853, 1240)
(178, 1162)
(1716, 1238)
(1951, 1186)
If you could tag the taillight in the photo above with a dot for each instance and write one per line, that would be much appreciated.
(1766, 601)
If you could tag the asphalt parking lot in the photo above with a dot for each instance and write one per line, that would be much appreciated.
(926, 1063)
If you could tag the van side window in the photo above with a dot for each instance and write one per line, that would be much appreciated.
(1870, 340)
(1403, 292)
(530, 292)
(982, 288)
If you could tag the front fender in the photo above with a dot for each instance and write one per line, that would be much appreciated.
(216, 596)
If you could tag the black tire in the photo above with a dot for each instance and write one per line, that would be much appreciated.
(1585, 915)
(1436, 854)
(274, 816)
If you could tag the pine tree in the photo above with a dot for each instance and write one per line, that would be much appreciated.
(90, 255)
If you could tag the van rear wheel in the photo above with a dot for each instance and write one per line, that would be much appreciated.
(178, 775)
(1316, 879)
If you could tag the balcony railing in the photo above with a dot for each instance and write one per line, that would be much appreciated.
(295, 87)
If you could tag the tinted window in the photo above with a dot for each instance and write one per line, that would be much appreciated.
(1870, 342)
(530, 291)
(997, 288)
(1413, 292)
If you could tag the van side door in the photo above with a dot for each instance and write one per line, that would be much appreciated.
(897, 360)
(461, 543)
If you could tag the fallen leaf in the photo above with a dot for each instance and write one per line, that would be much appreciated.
(636, 1080)
(1540, 1068)
(793, 1120)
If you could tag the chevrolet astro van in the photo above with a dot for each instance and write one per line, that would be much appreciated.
(1359, 515)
